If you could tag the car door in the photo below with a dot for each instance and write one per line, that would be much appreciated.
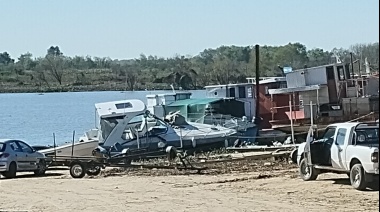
(19, 155)
(30, 158)
(337, 148)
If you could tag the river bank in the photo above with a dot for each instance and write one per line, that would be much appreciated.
(79, 88)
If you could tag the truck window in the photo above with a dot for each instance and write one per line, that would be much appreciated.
(367, 136)
(340, 136)
(329, 135)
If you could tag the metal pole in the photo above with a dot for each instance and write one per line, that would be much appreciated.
(352, 66)
(55, 151)
(257, 115)
(311, 117)
(180, 138)
(291, 119)
(72, 145)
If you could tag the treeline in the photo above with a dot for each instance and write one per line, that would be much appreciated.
(226, 64)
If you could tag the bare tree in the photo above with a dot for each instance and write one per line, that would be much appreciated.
(56, 66)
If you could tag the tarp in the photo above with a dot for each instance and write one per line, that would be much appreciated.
(198, 101)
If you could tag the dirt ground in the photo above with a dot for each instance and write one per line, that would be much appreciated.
(268, 187)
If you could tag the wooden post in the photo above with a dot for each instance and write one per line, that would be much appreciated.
(257, 114)
(291, 120)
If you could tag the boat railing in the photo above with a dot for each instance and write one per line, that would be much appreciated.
(218, 119)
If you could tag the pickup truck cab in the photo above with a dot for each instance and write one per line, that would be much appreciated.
(350, 147)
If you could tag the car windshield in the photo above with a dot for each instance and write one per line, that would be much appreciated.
(367, 136)
(2, 147)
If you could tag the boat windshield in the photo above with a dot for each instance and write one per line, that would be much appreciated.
(147, 124)
(367, 136)
(108, 124)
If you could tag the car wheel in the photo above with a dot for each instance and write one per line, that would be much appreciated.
(357, 177)
(41, 168)
(307, 172)
(11, 173)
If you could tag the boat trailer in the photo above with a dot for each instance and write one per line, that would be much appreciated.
(79, 166)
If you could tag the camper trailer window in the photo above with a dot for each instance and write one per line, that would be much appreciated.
(232, 92)
(123, 105)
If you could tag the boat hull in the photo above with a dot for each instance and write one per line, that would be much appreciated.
(78, 149)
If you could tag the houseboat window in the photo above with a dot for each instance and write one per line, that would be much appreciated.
(330, 73)
(123, 105)
(242, 93)
(347, 71)
(283, 85)
(341, 74)
(232, 92)
(301, 103)
(249, 95)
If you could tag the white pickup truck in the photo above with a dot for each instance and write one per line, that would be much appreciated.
(350, 147)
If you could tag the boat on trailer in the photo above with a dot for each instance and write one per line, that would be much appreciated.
(127, 124)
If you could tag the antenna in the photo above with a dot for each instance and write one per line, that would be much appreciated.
(367, 69)
(337, 58)
(171, 85)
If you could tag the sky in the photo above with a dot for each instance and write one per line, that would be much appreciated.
(125, 29)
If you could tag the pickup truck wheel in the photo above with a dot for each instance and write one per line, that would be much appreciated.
(307, 172)
(357, 177)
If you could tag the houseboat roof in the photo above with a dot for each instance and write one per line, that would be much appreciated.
(269, 80)
(296, 89)
(169, 94)
(322, 66)
(229, 85)
(117, 108)
(197, 101)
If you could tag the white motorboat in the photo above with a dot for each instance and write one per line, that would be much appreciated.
(81, 148)
(130, 124)
(133, 126)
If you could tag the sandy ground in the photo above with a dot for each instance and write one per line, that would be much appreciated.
(275, 190)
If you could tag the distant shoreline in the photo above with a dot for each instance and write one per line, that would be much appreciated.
(23, 89)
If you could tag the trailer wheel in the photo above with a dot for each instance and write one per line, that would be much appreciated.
(94, 171)
(77, 170)
(293, 156)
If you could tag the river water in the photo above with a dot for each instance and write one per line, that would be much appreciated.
(34, 118)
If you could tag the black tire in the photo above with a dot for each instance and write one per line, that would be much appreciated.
(41, 168)
(93, 171)
(306, 172)
(11, 173)
(77, 170)
(293, 156)
(357, 177)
